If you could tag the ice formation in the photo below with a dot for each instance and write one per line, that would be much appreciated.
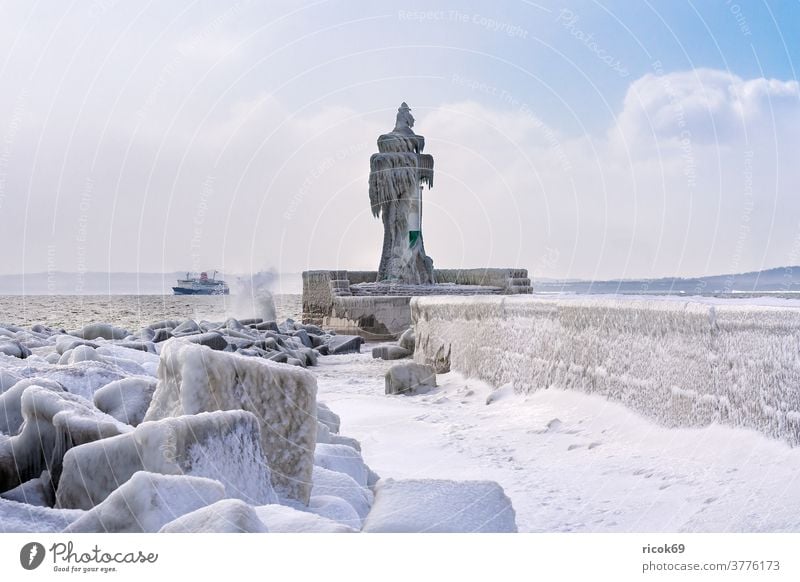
(153, 431)
(224, 446)
(396, 176)
(54, 423)
(128, 399)
(439, 506)
(147, 502)
(681, 362)
(194, 379)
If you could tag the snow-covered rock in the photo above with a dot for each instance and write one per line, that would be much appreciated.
(127, 400)
(407, 340)
(36, 492)
(147, 502)
(327, 417)
(410, 378)
(14, 348)
(80, 354)
(335, 509)
(439, 506)
(390, 352)
(285, 519)
(195, 379)
(226, 516)
(101, 330)
(333, 483)
(16, 517)
(343, 459)
(54, 422)
(223, 445)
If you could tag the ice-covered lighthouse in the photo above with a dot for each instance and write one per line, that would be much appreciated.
(398, 173)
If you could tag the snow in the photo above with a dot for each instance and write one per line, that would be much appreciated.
(226, 516)
(147, 502)
(18, 517)
(569, 461)
(195, 379)
(223, 445)
(283, 519)
(681, 362)
(440, 506)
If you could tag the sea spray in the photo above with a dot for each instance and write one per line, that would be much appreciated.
(252, 296)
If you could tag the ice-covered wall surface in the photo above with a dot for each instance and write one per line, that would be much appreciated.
(683, 362)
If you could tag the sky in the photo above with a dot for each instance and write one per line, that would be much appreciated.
(577, 139)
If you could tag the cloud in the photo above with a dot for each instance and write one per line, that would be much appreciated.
(710, 106)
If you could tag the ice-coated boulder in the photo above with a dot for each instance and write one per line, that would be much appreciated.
(11, 402)
(223, 445)
(408, 340)
(193, 379)
(81, 353)
(147, 502)
(7, 380)
(440, 506)
(64, 343)
(211, 339)
(327, 417)
(101, 330)
(36, 492)
(390, 353)
(336, 484)
(54, 422)
(14, 348)
(82, 378)
(189, 326)
(226, 516)
(335, 509)
(410, 378)
(285, 519)
(128, 399)
(343, 459)
(345, 344)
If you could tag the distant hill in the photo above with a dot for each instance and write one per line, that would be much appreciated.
(777, 280)
(95, 283)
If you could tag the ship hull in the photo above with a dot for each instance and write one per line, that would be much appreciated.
(189, 291)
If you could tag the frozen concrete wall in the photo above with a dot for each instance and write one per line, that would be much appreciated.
(680, 362)
(328, 300)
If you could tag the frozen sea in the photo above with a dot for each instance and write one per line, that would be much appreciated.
(134, 311)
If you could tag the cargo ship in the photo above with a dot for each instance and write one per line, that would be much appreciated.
(201, 285)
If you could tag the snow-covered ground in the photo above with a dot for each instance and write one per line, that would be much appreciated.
(568, 460)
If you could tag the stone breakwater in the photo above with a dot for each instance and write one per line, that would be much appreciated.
(197, 426)
(684, 363)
